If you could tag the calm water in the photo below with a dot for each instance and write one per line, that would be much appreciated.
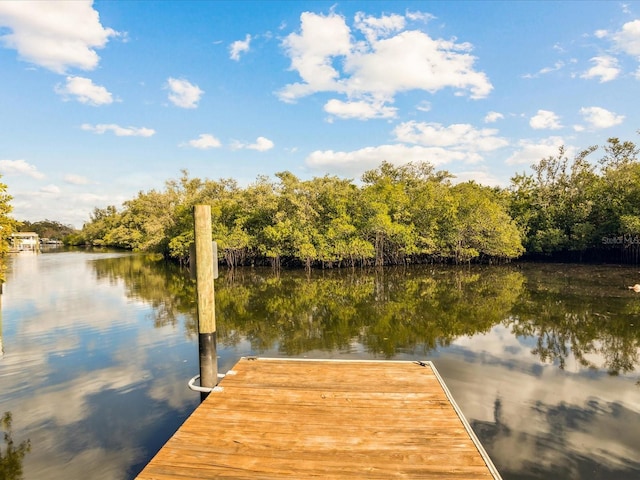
(97, 348)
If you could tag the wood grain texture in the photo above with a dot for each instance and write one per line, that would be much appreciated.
(285, 418)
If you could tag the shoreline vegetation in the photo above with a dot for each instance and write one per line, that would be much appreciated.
(567, 208)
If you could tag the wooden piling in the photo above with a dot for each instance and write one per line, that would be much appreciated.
(206, 299)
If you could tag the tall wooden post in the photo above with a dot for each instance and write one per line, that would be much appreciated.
(206, 300)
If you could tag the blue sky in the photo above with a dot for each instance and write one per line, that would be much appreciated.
(101, 100)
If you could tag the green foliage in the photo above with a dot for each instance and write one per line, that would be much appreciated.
(103, 221)
(569, 205)
(13, 455)
(483, 226)
(50, 229)
(630, 224)
(7, 226)
(401, 215)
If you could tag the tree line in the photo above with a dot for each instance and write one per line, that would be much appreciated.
(400, 214)
(50, 229)
(572, 205)
(395, 215)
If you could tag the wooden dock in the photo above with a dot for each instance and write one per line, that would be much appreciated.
(332, 419)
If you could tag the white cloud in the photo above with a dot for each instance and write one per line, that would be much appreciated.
(50, 189)
(420, 16)
(85, 91)
(204, 142)
(556, 66)
(262, 144)
(424, 106)
(493, 117)
(628, 39)
(183, 93)
(598, 117)
(356, 162)
(34, 205)
(532, 152)
(543, 71)
(361, 109)
(238, 47)
(417, 142)
(19, 167)
(460, 136)
(312, 50)
(412, 60)
(601, 33)
(374, 27)
(605, 68)
(76, 179)
(55, 35)
(389, 60)
(118, 130)
(545, 120)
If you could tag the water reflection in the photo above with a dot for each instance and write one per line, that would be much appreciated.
(579, 312)
(503, 336)
(94, 385)
(542, 359)
(541, 422)
(563, 443)
(400, 311)
(397, 311)
(567, 311)
(12, 455)
(164, 286)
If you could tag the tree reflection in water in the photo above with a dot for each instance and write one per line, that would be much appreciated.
(12, 456)
(575, 311)
(580, 310)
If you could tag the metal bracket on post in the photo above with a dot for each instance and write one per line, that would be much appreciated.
(197, 388)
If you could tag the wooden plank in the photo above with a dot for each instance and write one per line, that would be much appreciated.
(285, 418)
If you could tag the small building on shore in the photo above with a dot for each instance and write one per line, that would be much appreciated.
(24, 242)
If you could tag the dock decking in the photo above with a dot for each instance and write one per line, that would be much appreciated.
(290, 418)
